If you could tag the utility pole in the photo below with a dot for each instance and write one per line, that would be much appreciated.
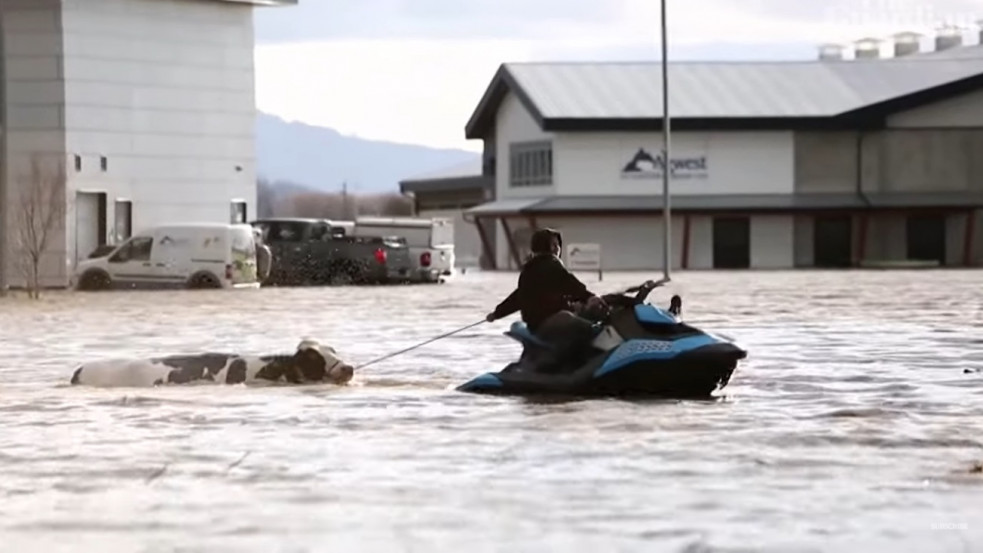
(344, 198)
(4, 169)
(667, 166)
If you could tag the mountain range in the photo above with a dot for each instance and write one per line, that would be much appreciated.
(322, 159)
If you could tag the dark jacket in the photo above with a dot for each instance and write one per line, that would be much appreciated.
(545, 288)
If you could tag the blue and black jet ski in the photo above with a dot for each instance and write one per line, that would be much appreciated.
(638, 350)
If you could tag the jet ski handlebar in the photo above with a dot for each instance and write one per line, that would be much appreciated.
(641, 292)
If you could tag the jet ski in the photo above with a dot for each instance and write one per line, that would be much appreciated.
(638, 349)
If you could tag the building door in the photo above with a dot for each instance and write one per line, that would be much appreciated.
(90, 223)
(731, 243)
(124, 220)
(238, 212)
(832, 241)
(926, 238)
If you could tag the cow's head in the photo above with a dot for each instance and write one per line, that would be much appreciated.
(321, 364)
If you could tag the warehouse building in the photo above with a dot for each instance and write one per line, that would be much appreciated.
(141, 111)
(449, 193)
(826, 163)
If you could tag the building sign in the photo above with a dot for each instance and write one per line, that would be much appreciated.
(584, 257)
(643, 165)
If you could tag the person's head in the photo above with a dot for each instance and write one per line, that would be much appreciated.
(546, 241)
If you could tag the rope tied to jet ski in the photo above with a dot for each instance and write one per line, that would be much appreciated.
(420, 345)
(648, 284)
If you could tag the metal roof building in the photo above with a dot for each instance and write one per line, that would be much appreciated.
(726, 95)
(811, 163)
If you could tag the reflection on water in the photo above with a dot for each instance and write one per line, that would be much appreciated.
(852, 426)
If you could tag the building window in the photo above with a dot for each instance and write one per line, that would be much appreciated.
(238, 211)
(104, 163)
(78, 163)
(531, 163)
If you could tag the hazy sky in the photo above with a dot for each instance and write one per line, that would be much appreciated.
(414, 70)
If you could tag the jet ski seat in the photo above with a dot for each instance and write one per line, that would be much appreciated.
(521, 332)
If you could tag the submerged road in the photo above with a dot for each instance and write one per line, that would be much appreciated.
(852, 426)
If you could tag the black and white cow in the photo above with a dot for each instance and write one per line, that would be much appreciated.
(310, 364)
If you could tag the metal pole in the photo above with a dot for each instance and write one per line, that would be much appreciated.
(667, 168)
(4, 222)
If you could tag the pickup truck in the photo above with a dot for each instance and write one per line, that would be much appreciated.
(313, 251)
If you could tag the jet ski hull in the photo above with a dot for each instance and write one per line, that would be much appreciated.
(637, 368)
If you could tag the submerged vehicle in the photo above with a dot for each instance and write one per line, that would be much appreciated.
(638, 350)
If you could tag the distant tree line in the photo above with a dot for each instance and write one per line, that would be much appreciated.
(285, 199)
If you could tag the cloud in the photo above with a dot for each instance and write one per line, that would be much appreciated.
(549, 19)
(432, 19)
(414, 70)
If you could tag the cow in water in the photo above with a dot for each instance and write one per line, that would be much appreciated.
(310, 364)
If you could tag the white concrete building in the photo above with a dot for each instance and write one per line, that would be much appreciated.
(148, 105)
(775, 165)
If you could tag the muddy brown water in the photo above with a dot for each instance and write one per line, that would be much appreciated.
(852, 426)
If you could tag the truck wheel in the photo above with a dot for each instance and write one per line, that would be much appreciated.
(94, 280)
(203, 281)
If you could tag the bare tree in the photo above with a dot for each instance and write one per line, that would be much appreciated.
(39, 212)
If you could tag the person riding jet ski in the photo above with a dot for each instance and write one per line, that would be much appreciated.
(551, 299)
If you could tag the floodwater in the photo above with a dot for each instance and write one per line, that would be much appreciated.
(852, 426)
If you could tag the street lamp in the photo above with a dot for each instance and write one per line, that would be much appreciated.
(667, 167)
(4, 171)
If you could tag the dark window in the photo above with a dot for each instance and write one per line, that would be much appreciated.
(731, 243)
(124, 219)
(531, 163)
(283, 231)
(238, 212)
(104, 163)
(832, 242)
(137, 249)
(926, 238)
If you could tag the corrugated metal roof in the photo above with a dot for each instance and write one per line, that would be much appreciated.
(729, 202)
(468, 168)
(731, 89)
(452, 184)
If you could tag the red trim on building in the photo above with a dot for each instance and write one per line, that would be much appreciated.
(968, 238)
(685, 252)
(486, 248)
(511, 242)
(862, 240)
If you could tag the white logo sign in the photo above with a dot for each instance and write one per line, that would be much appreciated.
(644, 165)
(584, 257)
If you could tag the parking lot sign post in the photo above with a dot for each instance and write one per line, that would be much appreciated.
(585, 257)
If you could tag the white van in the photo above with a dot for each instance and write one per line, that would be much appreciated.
(430, 240)
(182, 255)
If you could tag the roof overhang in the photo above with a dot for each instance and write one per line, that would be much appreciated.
(478, 183)
(261, 2)
(757, 203)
